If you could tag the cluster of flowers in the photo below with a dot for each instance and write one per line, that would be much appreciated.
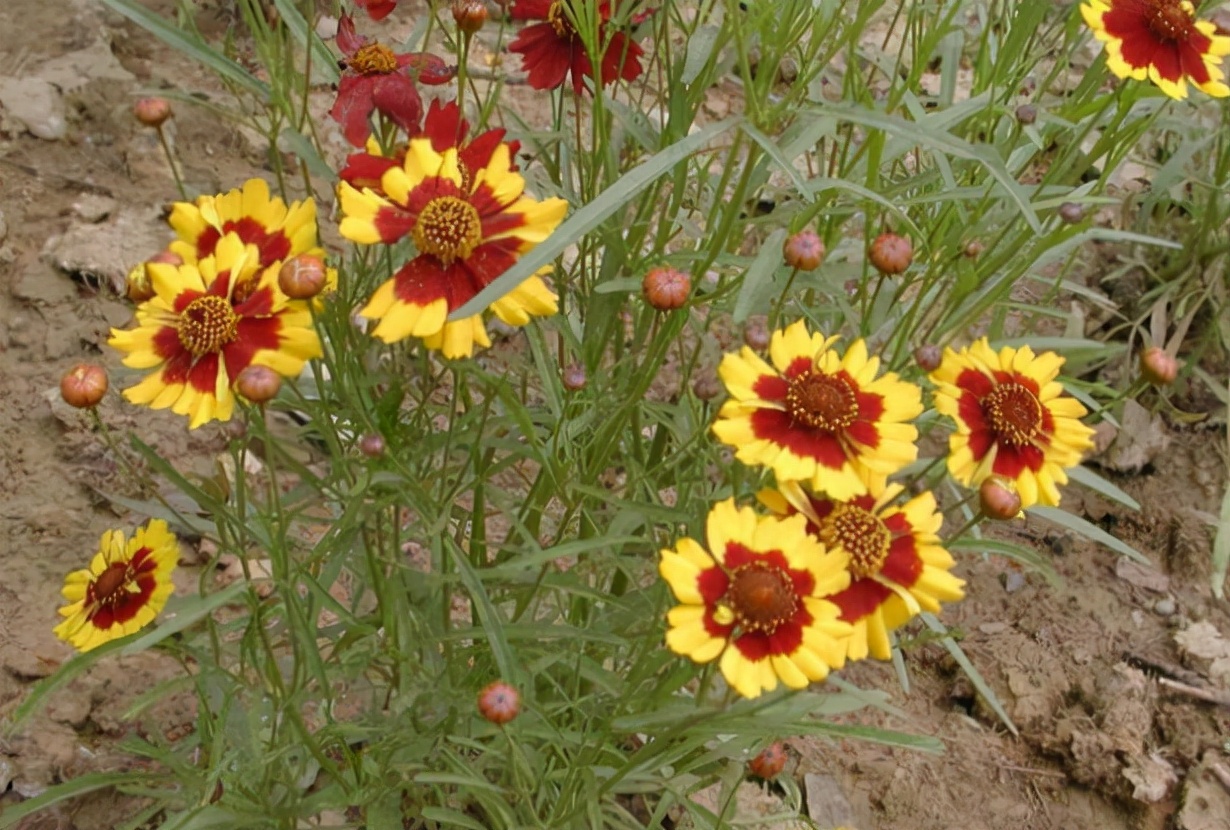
(843, 558)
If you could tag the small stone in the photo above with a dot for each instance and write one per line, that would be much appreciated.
(36, 105)
(1013, 581)
(1164, 607)
(94, 208)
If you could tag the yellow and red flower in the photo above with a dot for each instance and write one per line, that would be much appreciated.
(552, 50)
(469, 225)
(377, 9)
(377, 79)
(817, 416)
(125, 586)
(277, 230)
(206, 323)
(1160, 40)
(897, 565)
(1013, 420)
(757, 598)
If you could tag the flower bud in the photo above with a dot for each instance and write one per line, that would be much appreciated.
(470, 15)
(707, 386)
(770, 762)
(302, 277)
(666, 289)
(259, 384)
(804, 250)
(138, 286)
(575, 377)
(152, 112)
(1158, 367)
(1070, 213)
(756, 332)
(372, 445)
(973, 249)
(499, 702)
(84, 385)
(1026, 114)
(891, 253)
(928, 357)
(999, 499)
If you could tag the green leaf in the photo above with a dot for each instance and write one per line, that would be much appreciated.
(591, 216)
(1090, 531)
(190, 45)
(323, 60)
(1090, 479)
(1028, 557)
(91, 782)
(758, 279)
(67, 671)
(958, 654)
(188, 612)
(451, 818)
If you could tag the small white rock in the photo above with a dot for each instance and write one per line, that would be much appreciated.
(36, 105)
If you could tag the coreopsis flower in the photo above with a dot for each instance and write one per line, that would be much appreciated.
(377, 9)
(757, 598)
(445, 127)
(125, 586)
(552, 50)
(896, 562)
(377, 79)
(279, 231)
(1012, 419)
(469, 225)
(1160, 40)
(818, 416)
(207, 322)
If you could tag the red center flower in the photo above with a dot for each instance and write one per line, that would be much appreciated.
(377, 78)
(553, 49)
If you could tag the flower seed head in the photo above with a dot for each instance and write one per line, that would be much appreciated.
(804, 250)
(499, 702)
(84, 385)
(302, 277)
(666, 289)
(707, 386)
(1026, 114)
(928, 357)
(259, 384)
(152, 112)
(470, 15)
(770, 762)
(999, 499)
(891, 253)
(1158, 367)
(575, 377)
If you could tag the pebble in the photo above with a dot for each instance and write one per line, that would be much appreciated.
(1164, 607)
(1013, 581)
(36, 104)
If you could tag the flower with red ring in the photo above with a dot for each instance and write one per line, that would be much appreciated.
(812, 414)
(1160, 40)
(125, 586)
(377, 79)
(896, 562)
(469, 225)
(205, 324)
(757, 598)
(553, 49)
(1013, 419)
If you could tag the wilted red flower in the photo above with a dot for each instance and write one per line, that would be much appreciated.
(377, 9)
(377, 78)
(552, 49)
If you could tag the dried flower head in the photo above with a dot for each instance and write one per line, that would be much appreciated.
(804, 250)
(891, 253)
(574, 377)
(928, 357)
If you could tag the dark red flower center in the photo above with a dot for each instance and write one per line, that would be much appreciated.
(761, 597)
(448, 228)
(374, 59)
(827, 402)
(207, 324)
(1014, 413)
(862, 534)
(558, 18)
(1170, 21)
